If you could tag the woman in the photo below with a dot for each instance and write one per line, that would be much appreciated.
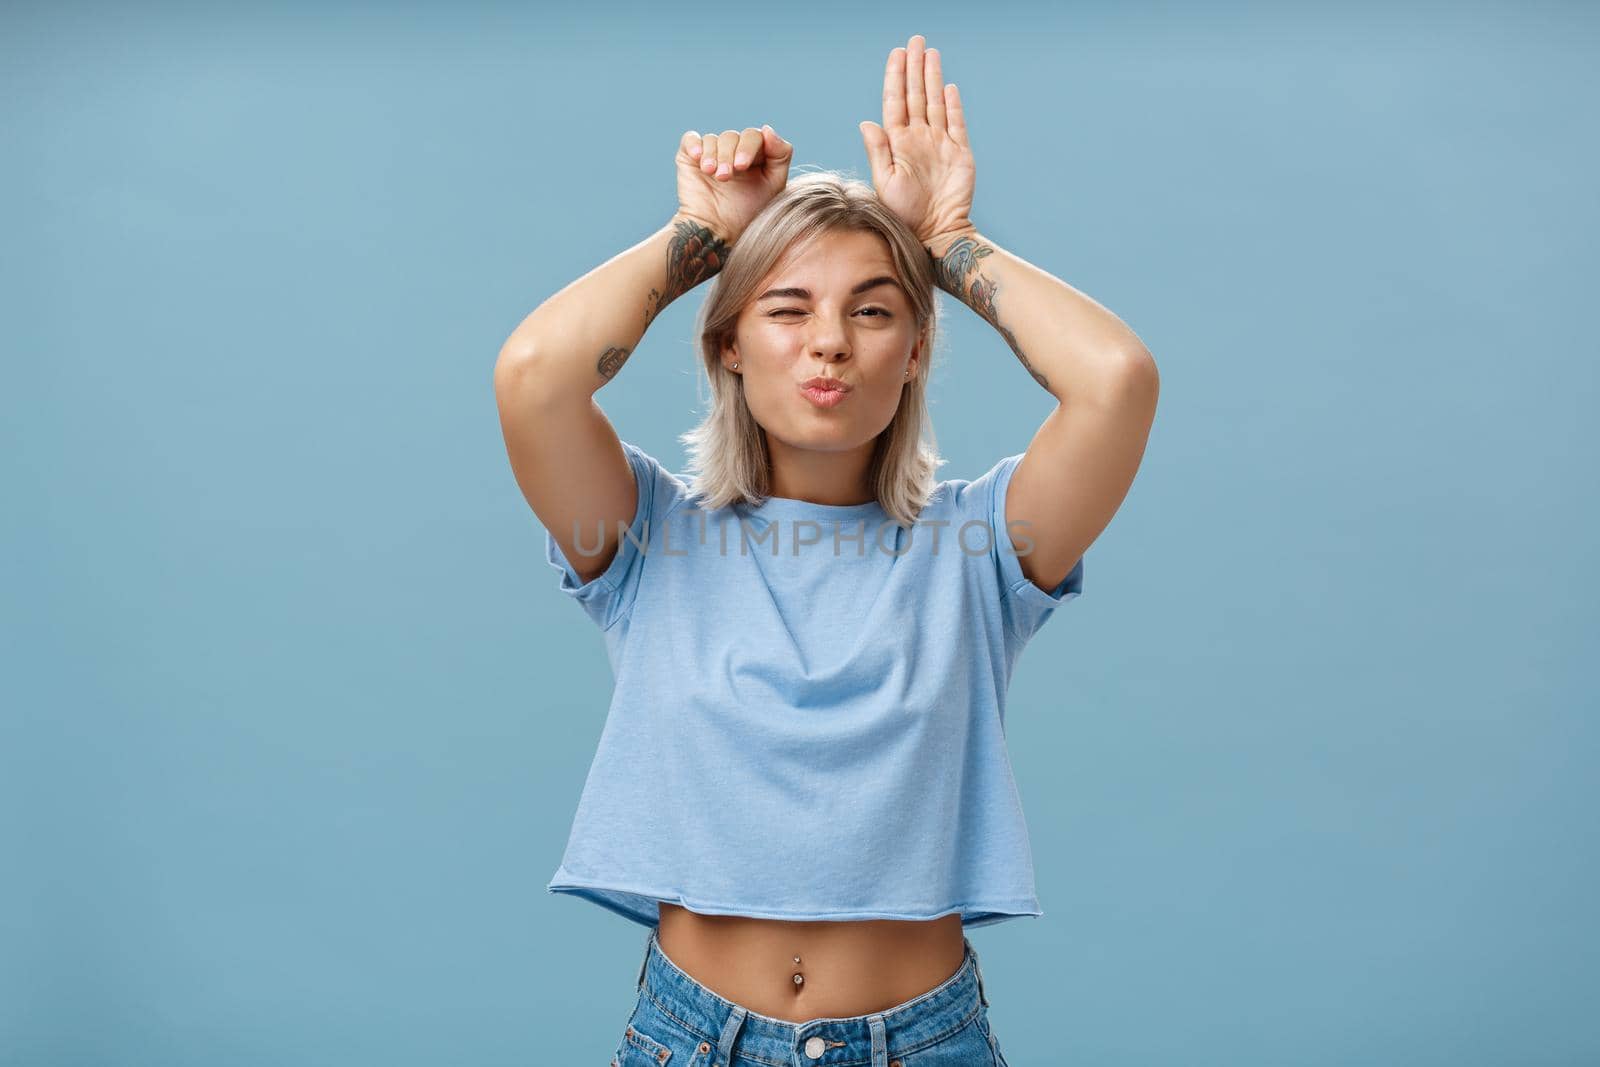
(802, 787)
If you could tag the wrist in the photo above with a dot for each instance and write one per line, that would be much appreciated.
(707, 230)
(939, 244)
(695, 251)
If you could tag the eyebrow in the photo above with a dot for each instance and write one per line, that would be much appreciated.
(805, 294)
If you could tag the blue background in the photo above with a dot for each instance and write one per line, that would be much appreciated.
(295, 719)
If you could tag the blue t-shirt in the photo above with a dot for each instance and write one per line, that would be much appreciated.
(815, 733)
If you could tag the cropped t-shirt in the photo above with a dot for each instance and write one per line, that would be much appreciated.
(807, 717)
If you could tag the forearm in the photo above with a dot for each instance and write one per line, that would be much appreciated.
(580, 337)
(1071, 345)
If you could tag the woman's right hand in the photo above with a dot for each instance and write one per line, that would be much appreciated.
(724, 180)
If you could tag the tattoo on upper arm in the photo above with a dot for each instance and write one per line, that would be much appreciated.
(960, 263)
(611, 361)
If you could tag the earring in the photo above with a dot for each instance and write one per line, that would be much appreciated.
(735, 364)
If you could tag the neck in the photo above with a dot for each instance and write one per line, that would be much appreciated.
(837, 479)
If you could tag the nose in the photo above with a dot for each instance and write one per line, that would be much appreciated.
(829, 337)
(829, 344)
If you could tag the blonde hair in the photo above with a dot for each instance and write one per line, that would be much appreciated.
(727, 451)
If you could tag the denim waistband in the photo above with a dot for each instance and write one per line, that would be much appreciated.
(923, 1020)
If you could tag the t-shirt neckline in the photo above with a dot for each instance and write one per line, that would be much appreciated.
(782, 508)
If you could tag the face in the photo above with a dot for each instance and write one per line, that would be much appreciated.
(866, 340)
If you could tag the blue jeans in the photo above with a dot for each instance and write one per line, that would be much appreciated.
(677, 1022)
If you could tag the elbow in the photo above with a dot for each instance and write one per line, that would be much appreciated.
(511, 365)
(1144, 379)
(1129, 380)
(524, 378)
(511, 371)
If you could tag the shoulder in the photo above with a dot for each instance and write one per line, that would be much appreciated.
(660, 490)
(976, 497)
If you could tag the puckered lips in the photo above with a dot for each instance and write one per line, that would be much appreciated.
(824, 392)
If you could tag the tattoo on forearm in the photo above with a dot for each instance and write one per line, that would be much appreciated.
(611, 361)
(957, 273)
(693, 255)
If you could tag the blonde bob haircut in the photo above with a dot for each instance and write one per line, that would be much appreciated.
(728, 455)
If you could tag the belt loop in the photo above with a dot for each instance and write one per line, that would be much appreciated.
(730, 1034)
(880, 1043)
(648, 943)
(977, 967)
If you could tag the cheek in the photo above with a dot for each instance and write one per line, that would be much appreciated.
(766, 392)
(764, 354)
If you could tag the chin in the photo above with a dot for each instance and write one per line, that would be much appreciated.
(835, 438)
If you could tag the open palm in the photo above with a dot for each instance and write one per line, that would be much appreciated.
(921, 162)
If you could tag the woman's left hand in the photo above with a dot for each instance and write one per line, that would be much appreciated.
(921, 163)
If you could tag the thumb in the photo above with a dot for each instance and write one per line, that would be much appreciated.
(878, 155)
(778, 152)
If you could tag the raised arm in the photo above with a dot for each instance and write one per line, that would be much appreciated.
(565, 455)
(1081, 463)
(1079, 466)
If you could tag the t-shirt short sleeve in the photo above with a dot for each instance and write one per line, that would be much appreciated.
(608, 597)
(1024, 605)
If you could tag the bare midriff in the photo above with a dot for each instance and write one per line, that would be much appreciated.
(844, 968)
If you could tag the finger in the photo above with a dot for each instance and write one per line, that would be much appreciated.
(879, 157)
(955, 117)
(916, 98)
(894, 90)
(727, 143)
(690, 144)
(778, 152)
(708, 152)
(748, 148)
(933, 85)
